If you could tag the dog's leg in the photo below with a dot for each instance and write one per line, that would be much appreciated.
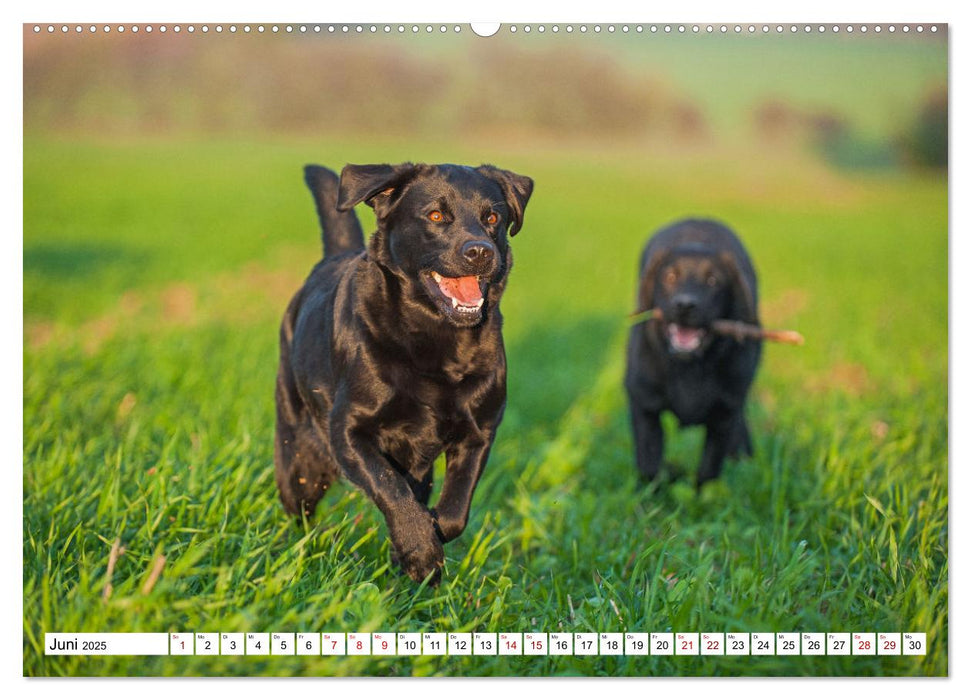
(741, 441)
(410, 525)
(648, 441)
(304, 466)
(747, 447)
(283, 454)
(464, 464)
(722, 430)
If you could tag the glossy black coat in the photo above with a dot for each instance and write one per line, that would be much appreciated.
(378, 373)
(713, 278)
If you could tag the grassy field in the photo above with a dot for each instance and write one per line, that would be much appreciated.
(155, 274)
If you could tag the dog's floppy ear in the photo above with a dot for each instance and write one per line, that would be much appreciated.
(360, 183)
(649, 269)
(515, 188)
(742, 292)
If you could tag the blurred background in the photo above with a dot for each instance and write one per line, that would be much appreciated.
(867, 101)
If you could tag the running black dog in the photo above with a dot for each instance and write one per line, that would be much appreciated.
(392, 354)
(695, 272)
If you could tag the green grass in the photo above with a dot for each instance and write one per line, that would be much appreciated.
(155, 273)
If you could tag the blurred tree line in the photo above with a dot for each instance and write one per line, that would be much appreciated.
(454, 87)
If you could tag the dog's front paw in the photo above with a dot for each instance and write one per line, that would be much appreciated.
(416, 547)
(420, 560)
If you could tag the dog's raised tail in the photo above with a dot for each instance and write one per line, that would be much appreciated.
(341, 231)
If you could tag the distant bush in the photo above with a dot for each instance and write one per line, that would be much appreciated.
(926, 142)
(777, 120)
(923, 144)
(849, 150)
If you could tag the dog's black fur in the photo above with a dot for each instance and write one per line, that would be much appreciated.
(695, 272)
(380, 370)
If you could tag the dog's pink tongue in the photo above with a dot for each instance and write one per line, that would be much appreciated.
(465, 289)
(684, 338)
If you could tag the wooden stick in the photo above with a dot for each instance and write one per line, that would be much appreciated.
(743, 331)
(157, 567)
(736, 329)
(116, 551)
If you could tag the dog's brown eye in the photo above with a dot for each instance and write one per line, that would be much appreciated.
(436, 216)
(712, 280)
(492, 218)
(670, 277)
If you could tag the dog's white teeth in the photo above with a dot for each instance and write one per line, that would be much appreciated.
(466, 308)
(455, 303)
(435, 276)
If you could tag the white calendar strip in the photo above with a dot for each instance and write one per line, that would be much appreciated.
(488, 644)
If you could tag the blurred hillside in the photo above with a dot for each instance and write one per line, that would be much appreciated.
(859, 101)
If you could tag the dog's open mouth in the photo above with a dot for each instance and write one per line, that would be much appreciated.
(685, 338)
(463, 293)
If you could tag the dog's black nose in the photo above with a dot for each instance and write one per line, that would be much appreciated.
(478, 254)
(684, 303)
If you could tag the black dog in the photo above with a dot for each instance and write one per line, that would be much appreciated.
(694, 272)
(392, 354)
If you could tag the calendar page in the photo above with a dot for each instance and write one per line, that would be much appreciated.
(603, 348)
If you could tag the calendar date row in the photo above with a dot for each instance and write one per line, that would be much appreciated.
(490, 644)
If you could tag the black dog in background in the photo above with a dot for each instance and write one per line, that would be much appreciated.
(392, 354)
(695, 272)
